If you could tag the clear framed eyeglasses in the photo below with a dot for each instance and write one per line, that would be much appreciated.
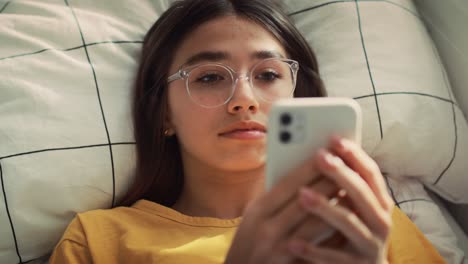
(213, 84)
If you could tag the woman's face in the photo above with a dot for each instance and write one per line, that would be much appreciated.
(230, 137)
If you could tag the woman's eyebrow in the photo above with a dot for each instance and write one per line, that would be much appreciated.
(207, 56)
(216, 56)
(266, 54)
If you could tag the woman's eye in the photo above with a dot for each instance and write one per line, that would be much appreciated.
(268, 76)
(208, 78)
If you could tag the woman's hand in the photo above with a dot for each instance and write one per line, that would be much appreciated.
(280, 225)
(269, 221)
(367, 225)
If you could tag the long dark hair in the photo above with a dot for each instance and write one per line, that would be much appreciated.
(159, 169)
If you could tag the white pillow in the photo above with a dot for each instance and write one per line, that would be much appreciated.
(59, 157)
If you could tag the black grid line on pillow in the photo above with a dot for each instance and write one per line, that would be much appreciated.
(4, 6)
(74, 48)
(408, 93)
(8, 214)
(99, 99)
(33, 260)
(455, 145)
(392, 193)
(398, 203)
(350, 1)
(369, 68)
(390, 189)
(67, 148)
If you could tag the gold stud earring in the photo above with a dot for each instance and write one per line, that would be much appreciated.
(168, 132)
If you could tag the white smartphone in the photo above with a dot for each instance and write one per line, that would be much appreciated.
(299, 127)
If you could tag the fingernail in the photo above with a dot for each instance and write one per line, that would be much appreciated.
(296, 247)
(341, 144)
(330, 158)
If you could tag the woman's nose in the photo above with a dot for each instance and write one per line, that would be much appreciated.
(244, 98)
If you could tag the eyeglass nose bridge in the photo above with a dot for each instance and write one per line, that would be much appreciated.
(245, 77)
(236, 78)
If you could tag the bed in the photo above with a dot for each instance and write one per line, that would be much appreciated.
(66, 142)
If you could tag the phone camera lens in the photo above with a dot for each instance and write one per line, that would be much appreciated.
(285, 136)
(286, 119)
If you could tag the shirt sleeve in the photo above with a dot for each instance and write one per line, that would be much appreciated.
(408, 244)
(73, 247)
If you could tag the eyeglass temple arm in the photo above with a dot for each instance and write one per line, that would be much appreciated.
(174, 77)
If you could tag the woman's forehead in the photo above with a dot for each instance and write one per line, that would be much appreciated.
(227, 38)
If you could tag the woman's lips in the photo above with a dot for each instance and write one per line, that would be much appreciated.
(244, 134)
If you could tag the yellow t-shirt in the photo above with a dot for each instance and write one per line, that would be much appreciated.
(151, 233)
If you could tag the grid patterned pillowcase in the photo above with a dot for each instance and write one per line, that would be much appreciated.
(66, 143)
(380, 54)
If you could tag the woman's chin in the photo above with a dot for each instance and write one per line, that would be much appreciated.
(240, 165)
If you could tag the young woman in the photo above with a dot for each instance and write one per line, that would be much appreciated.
(209, 72)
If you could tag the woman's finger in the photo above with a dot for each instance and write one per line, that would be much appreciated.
(289, 219)
(363, 199)
(345, 221)
(313, 228)
(357, 159)
(314, 254)
(286, 188)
